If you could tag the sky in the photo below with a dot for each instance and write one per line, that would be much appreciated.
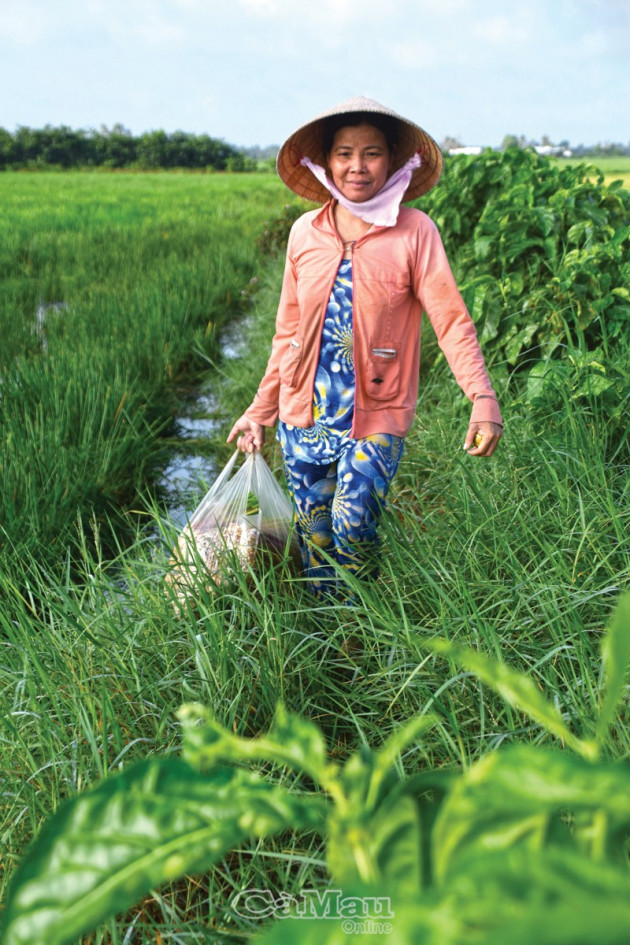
(251, 71)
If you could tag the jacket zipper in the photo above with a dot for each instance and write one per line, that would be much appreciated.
(354, 306)
(354, 335)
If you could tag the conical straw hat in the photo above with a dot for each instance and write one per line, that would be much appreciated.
(308, 141)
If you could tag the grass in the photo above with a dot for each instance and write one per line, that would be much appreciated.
(522, 556)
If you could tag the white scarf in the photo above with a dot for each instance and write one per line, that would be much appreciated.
(381, 209)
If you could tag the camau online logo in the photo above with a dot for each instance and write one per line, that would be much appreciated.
(364, 914)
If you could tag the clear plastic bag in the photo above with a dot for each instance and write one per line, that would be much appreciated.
(242, 518)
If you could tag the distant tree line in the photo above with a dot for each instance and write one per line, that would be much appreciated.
(610, 148)
(117, 148)
(606, 149)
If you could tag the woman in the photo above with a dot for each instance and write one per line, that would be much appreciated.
(342, 378)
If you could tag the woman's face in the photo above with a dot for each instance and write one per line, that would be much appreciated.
(359, 161)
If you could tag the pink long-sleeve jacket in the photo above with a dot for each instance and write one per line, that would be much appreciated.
(397, 273)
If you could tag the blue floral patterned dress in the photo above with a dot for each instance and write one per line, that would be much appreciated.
(338, 484)
(333, 393)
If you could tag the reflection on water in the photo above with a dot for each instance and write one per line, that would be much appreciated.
(43, 312)
(190, 474)
(185, 481)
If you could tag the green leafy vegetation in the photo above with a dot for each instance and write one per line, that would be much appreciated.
(541, 251)
(455, 740)
(526, 836)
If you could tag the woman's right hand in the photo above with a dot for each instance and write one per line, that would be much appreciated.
(252, 435)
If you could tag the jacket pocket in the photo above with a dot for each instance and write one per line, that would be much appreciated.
(290, 363)
(382, 380)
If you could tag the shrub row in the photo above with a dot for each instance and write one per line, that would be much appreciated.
(116, 148)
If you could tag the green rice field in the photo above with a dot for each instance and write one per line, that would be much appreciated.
(613, 168)
(115, 293)
(113, 289)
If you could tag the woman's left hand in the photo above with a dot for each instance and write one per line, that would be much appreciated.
(490, 434)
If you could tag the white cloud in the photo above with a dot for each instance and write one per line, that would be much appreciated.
(502, 31)
(442, 7)
(415, 54)
(267, 7)
(156, 24)
(160, 32)
(23, 22)
(34, 22)
(326, 20)
(593, 44)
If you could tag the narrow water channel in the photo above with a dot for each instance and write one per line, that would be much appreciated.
(191, 471)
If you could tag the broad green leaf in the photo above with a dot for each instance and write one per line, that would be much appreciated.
(510, 893)
(595, 214)
(540, 877)
(492, 318)
(592, 384)
(292, 741)
(474, 294)
(349, 854)
(384, 846)
(357, 831)
(547, 219)
(360, 844)
(520, 340)
(154, 822)
(428, 789)
(513, 284)
(387, 755)
(519, 690)
(355, 779)
(498, 897)
(615, 659)
(588, 920)
(396, 845)
(536, 380)
(511, 797)
(301, 738)
(482, 247)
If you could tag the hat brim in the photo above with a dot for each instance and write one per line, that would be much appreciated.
(308, 141)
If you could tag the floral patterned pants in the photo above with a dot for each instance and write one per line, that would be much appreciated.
(338, 506)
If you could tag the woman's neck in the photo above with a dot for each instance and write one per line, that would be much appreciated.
(349, 227)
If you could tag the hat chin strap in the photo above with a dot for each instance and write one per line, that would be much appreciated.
(381, 209)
